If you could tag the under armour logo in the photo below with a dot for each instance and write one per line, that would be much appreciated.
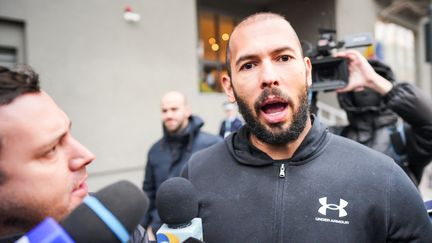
(342, 204)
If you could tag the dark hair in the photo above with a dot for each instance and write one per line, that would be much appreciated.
(16, 83)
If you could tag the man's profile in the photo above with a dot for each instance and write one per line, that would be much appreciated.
(42, 166)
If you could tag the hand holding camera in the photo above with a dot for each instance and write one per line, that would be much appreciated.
(344, 71)
(362, 75)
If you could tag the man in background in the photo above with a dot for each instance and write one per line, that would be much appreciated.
(182, 136)
(232, 121)
(42, 166)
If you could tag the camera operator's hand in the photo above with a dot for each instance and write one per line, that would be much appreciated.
(363, 75)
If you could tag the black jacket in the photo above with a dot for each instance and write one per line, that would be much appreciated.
(373, 126)
(167, 157)
(10, 238)
(331, 190)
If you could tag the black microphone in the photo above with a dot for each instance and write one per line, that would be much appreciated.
(110, 215)
(177, 204)
(124, 200)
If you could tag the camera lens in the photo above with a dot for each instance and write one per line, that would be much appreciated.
(327, 74)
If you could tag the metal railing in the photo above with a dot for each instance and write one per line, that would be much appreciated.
(330, 115)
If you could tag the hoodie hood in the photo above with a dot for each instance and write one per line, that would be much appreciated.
(186, 136)
(246, 153)
(194, 125)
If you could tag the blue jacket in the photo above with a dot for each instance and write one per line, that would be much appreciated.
(167, 157)
(233, 126)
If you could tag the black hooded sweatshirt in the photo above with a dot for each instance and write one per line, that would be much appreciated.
(331, 190)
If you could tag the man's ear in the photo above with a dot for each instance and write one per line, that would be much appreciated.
(188, 111)
(308, 66)
(227, 86)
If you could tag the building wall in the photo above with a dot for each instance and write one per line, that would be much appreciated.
(424, 69)
(108, 74)
(307, 16)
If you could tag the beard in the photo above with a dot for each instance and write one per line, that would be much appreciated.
(21, 213)
(17, 216)
(178, 128)
(276, 134)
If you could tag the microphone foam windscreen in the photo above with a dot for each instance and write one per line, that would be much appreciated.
(124, 200)
(177, 201)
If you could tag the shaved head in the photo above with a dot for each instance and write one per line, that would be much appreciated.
(258, 17)
(175, 112)
(174, 95)
(253, 19)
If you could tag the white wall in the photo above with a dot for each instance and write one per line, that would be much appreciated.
(424, 69)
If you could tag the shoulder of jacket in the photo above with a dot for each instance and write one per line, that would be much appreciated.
(210, 150)
(208, 137)
(156, 146)
(356, 148)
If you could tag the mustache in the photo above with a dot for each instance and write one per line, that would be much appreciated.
(277, 93)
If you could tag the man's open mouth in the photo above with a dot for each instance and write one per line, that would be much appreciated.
(272, 106)
(274, 110)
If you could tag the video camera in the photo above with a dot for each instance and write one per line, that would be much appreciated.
(330, 73)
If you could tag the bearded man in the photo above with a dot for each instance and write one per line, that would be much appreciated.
(283, 177)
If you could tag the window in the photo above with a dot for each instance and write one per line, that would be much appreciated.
(214, 33)
(12, 42)
(395, 46)
(8, 56)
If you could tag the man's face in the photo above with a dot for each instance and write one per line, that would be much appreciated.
(269, 80)
(229, 113)
(175, 113)
(44, 167)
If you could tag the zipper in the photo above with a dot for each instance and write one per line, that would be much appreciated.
(282, 171)
(279, 205)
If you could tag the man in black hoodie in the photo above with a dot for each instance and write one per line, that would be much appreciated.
(283, 177)
(373, 106)
(182, 137)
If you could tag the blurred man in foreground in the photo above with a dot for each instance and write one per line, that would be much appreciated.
(42, 167)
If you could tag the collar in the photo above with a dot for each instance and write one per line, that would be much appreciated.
(246, 153)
